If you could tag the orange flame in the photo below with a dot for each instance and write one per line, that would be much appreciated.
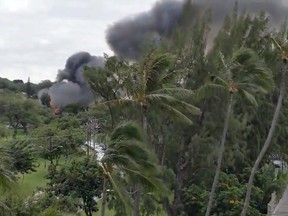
(56, 110)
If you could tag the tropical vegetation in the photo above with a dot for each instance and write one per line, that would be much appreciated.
(192, 128)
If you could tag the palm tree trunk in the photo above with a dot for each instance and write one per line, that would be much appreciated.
(267, 141)
(137, 200)
(219, 161)
(163, 155)
(104, 197)
(112, 116)
(138, 187)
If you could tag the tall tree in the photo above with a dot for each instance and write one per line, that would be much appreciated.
(243, 74)
(29, 89)
(282, 45)
(107, 83)
(148, 87)
(127, 152)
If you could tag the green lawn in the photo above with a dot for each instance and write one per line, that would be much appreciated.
(36, 179)
(32, 181)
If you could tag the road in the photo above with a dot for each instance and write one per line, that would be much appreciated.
(282, 207)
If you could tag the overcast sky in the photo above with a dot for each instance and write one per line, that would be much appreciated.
(37, 36)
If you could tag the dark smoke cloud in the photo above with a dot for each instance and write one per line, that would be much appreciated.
(73, 70)
(66, 93)
(42, 92)
(71, 87)
(129, 37)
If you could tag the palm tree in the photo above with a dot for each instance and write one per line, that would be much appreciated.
(244, 74)
(282, 45)
(147, 88)
(127, 154)
(6, 179)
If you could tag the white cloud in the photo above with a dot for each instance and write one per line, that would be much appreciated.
(36, 37)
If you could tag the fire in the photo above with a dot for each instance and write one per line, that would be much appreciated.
(56, 110)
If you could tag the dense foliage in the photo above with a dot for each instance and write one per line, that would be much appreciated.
(182, 126)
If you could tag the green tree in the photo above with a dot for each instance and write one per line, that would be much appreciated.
(19, 112)
(23, 155)
(4, 132)
(108, 83)
(228, 200)
(244, 74)
(127, 152)
(29, 89)
(61, 137)
(282, 45)
(45, 84)
(148, 87)
(80, 180)
(6, 84)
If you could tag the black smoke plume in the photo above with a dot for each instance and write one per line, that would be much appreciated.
(129, 37)
(71, 87)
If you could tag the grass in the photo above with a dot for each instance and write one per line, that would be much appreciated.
(37, 179)
(32, 181)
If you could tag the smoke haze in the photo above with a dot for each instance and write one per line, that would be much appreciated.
(71, 87)
(129, 37)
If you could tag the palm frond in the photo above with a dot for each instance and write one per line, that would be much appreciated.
(249, 97)
(169, 77)
(151, 181)
(265, 84)
(158, 98)
(128, 130)
(119, 103)
(179, 93)
(6, 176)
(218, 80)
(153, 99)
(275, 42)
(226, 73)
(128, 147)
(117, 186)
(281, 43)
(210, 90)
(128, 152)
(252, 70)
(125, 154)
(175, 114)
(144, 157)
(154, 66)
(244, 55)
(5, 210)
(101, 138)
(113, 157)
(185, 107)
(252, 87)
(121, 161)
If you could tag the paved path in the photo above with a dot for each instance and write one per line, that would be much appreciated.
(282, 207)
